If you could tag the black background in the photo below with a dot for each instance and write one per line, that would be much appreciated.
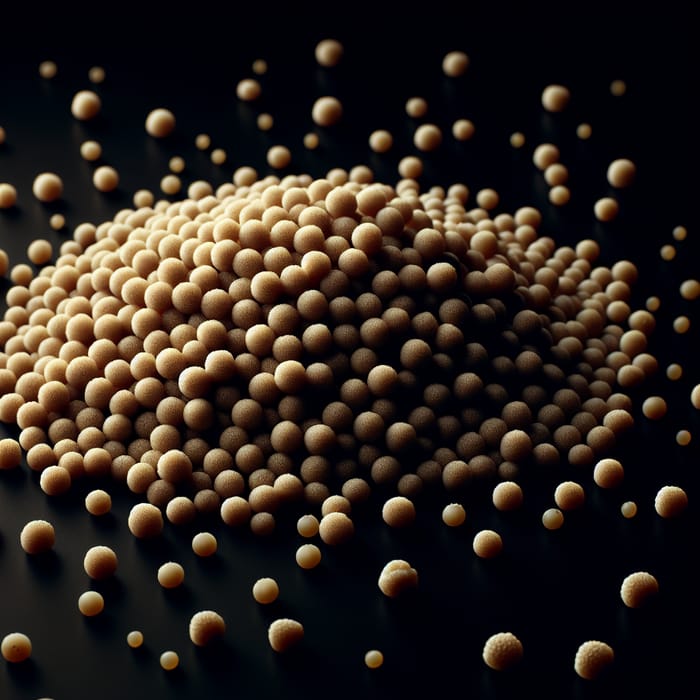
(553, 589)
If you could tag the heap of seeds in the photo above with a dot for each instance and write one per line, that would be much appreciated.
(293, 339)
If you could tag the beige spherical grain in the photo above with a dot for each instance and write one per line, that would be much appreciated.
(374, 658)
(381, 140)
(105, 178)
(37, 536)
(454, 514)
(278, 157)
(487, 544)
(169, 660)
(638, 588)
(681, 324)
(311, 141)
(55, 480)
(507, 496)
(308, 525)
(608, 473)
(98, 502)
(621, 173)
(100, 562)
(463, 129)
(16, 647)
(396, 577)
(502, 651)
(552, 518)
(171, 574)
(10, 453)
(667, 252)
(569, 495)
(398, 511)
(683, 438)
(97, 75)
(284, 634)
(91, 603)
(85, 105)
(670, 501)
(336, 528)
(654, 407)
(559, 195)
(266, 591)
(48, 69)
(416, 107)
(204, 544)
(455, 63)
(628, 509)
(328, 52)
(57, 222)
(326, 111)
(690, 289)
(427, 137)
(555, 98)
(544, 155)
(47, 187)
(206, 626)
(263, 524)
(145, 521)
(606, 209)
(517, 139)
(308, 556)
(160, 122)
(134, 639)
(8, 196)
(248, 89)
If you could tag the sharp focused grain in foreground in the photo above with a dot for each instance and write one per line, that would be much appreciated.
(284, 634)
(592, 659)
(16, 647)
(502, 651)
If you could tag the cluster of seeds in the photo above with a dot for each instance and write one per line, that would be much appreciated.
(286, 343)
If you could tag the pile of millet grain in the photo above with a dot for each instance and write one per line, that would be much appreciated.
(331, 348)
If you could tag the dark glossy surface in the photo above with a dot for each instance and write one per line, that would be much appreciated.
(553, 589)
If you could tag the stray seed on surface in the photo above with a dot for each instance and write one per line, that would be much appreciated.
(638, 588)
(205, 627)
(16, 647)
(553, 518)
(47, 187)
(265, 591)
(86, 105)
(593, 658)
(169, 660)
(670, 501)
(37, 536)
(555, 98)
(374, 658)
(171, 574)
(285, 633)
(396, 577)
(328, 52)
(134, 639)
(8, 194)
(48, 69)
(160, 122)
(91, 603)
(453, 514)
